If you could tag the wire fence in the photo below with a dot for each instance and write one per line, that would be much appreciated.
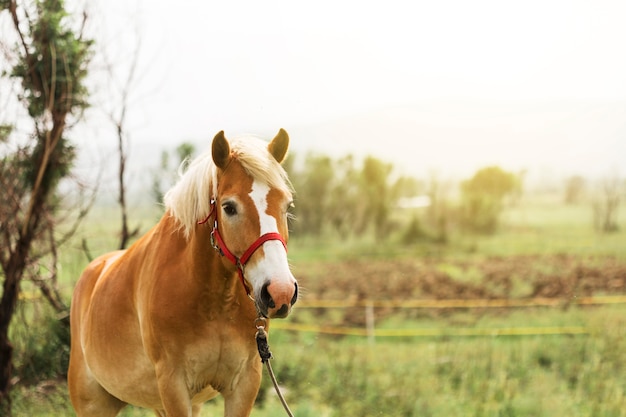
(465, 303)
(432, 332)
(370, 330)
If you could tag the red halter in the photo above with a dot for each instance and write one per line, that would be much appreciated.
(218, 244)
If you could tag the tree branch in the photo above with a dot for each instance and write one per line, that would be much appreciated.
(16, 24)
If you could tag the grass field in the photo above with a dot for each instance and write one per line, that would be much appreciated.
(543, 249)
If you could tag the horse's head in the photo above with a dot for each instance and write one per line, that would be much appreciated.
(250, 207)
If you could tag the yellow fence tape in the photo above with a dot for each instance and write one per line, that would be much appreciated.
(464, 303)
(436, 304)
(448, 304)
(432, 332)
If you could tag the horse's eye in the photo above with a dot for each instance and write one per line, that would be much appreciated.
(229, 209)
(289, 211)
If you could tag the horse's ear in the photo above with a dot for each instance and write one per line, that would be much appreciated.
(279, 145)
(220, 150)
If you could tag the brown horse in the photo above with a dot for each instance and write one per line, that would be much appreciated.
(167, 323)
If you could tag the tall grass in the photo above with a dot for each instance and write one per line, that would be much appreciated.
(582, 375)
(483, 376)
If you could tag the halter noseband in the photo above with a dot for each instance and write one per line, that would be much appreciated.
(218, 244)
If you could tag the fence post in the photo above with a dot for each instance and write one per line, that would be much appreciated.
(369, 323)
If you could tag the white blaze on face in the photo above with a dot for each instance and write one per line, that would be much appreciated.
(274, 264)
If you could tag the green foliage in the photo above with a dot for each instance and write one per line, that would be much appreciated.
(492, 181)
(59, 166)
(414, 232)
(5, 132)
(480, 212)
(162, 177)
(317, 181)
(337, 196)
(606, 203)
(340, 198)
(42, 345)
(185, 151)
(482, 198)
(407, 187)
(574, 189)
(54, 65)
(376, 190)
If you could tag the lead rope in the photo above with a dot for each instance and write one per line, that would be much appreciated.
(266, 355)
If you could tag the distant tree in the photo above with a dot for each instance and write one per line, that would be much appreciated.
(492, 181)
(338, 196)
(118, 117)
(157, 189)
(345, 208)
(376, 193)
(482, 198)
(606, 203)
(574, 189)
(407, 187)
(185, 151)
(50, 63)
(313, 185)
(165, 174)
(438, 212)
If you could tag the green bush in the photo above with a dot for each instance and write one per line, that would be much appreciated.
(42, 344)
(482, 198)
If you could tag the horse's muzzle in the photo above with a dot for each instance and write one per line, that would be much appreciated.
(276, 298)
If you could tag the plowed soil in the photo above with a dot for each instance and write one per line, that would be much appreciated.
(561, 276)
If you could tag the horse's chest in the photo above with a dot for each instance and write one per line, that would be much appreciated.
(225, 376)
(217, 369)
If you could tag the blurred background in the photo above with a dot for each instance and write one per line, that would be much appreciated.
(459, 170)
(447, 86)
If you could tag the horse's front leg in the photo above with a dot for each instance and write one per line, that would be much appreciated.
(240, 397)
(173, 391)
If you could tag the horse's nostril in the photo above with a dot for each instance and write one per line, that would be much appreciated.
(295, 294)
(282, 312)
(266, 297)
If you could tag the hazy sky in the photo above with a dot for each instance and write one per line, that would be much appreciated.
(414, 67)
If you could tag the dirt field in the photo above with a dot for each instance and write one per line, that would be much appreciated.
(562, 276)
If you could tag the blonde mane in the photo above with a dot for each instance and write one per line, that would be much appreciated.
(189, 200)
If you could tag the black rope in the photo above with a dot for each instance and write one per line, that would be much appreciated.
(266, 355)
(262, 345)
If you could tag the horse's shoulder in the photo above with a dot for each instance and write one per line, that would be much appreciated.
(105, 261)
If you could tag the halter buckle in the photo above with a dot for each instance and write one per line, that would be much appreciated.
(214, 244)
(260, 322)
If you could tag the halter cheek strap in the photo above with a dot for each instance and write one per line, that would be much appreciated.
(220, 246)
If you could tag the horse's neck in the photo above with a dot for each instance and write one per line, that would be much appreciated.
(211, 286)
(199, 259)
(224, 292)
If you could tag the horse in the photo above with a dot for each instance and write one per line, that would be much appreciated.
(170, 323)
